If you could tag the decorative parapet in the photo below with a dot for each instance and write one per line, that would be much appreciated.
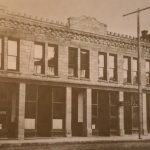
(27, 26)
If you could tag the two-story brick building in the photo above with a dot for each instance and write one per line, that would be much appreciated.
(74, 79)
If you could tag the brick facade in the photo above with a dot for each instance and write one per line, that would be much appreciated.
(27, 31)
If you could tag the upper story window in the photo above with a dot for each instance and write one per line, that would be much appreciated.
(147, 71)
(84, 64)
(52, 60)
(38, 58)
(113, 67)
(127, 69)
(73, 62)
(102, 66)
(12, 55)
(135, 71)
(1, 53)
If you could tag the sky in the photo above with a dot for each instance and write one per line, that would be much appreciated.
(106, 11)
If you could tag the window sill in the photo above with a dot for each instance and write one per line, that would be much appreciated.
(10, 71)
(127, 83)
(85, 79)
(102, 80)
(45, 75)
(112, 81)
(72, 77)
(52, 76)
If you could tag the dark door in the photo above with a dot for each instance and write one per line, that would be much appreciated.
(77, 122)
(148, 112)
(104, 125)
(127, 113)
(44, 111)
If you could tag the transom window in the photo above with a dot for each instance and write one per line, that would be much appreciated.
(12, 55)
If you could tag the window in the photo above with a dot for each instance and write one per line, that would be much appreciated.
(38, 58)
(58, 105)
(84, 59)
(30, 106)
(102, 66)
(12, 55)
(1, 52)
(127, 69)
(147, 72)
(135, 72)
(52, 60)
(113, 67)
(73, 62)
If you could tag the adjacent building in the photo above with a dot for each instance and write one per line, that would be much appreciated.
(74, 79)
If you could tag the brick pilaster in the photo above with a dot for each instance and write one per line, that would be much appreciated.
(21, 110)
(87, 113)
(68, 111)
(145, 132)
(121, 114)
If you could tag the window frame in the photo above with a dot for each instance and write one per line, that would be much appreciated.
(17, 56)
(40, 61)
(115, 77)
(102, 67)
(55, 61)
(86, 65)
(73, 65)
(147, 72)
(127, 70)
(135, 71)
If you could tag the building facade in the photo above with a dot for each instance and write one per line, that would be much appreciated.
(76, 79)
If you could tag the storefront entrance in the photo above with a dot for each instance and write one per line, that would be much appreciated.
(77, 111)
(148, 112)
(44, 111)
(8, 111)
(131, 113)
(104, 113)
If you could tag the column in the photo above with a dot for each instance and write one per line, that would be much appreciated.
(145, 132)
(21, 111)
(87, 113)
(68, 111)
(121, 114)
(5, 52)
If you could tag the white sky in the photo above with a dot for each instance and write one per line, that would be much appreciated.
(106, 11)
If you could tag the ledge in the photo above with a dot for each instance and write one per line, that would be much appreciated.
(101, 80)
(85, 79)
(10, 71)
(73, 78)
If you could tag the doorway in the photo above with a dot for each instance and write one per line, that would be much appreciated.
(77, 111)
(44, 111)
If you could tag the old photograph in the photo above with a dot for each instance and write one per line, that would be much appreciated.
(74, 74)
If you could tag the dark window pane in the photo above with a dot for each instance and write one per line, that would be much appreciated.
(59, 94)
(58, 111)
(30, 110)
(31, 93)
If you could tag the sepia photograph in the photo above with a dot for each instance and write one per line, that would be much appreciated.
(74, 74)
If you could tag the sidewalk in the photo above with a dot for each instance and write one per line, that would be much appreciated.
(66, 140)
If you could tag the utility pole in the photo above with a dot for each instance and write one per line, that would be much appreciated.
(139, 67)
